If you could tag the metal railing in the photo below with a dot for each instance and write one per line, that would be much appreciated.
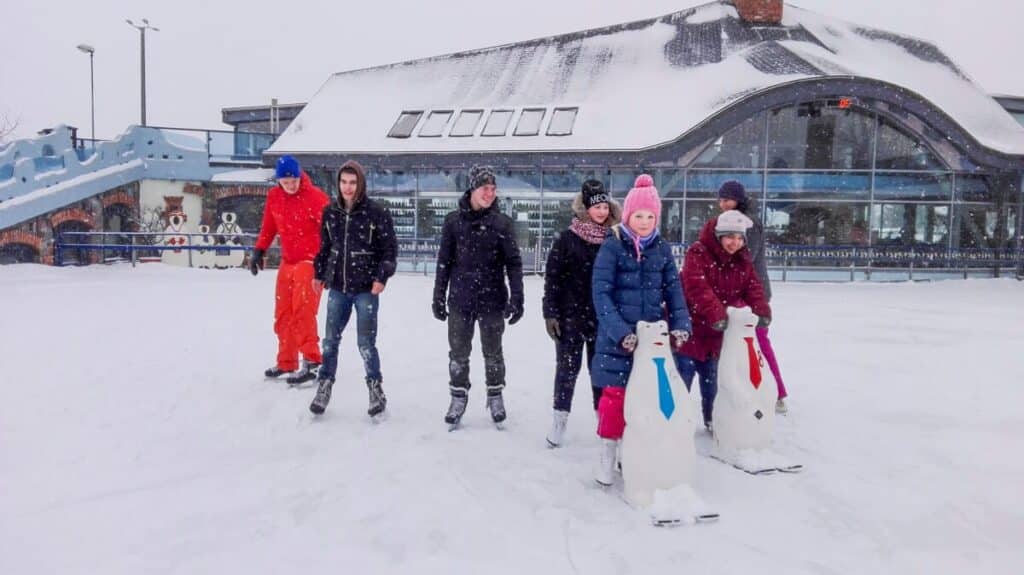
(421, 255)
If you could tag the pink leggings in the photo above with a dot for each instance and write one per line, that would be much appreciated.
(611, 421)
(769, 354)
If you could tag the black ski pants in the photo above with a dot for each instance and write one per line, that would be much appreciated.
(461, 325)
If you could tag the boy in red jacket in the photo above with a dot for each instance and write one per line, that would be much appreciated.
(293, 211)
(718, 272)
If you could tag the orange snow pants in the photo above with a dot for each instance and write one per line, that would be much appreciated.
(295, 310)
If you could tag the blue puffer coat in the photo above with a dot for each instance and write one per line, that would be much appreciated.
(627, 291)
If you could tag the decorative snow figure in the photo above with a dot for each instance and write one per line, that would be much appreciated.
(228, 234)
(744, 412)
(658, 452)
(178, 229)
(203, 258)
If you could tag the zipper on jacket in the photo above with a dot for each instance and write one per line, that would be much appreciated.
(344, 258)
(371, 232)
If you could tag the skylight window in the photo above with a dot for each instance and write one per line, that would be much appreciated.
(436, 122)
(562, 121)
(497, 123)
(405, 124)
(465, 124)
(529, 122)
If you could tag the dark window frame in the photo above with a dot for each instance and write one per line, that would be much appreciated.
(392, 133)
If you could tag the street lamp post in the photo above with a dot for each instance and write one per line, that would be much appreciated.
(142, 57)
(87, 49)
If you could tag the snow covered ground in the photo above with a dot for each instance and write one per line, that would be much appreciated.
(138, 436)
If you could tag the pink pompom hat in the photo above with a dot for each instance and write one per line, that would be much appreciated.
(643, 196)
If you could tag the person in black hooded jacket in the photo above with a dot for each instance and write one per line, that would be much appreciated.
(569, 313)
(478, 249)
(357, 255)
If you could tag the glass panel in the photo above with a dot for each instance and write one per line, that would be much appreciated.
(1019, 116)
(973, 189)
(396, 190)
(670, 183)
(529, 122)
(466, 123)
(816, 136)
(913, 186)
(705, 184)
(621, 181)
(404, 125)
(671, 228)
(562, 121)
(519, 198)
(698, 212)
(740, 147)
(438, 195)
(977, 226)
(817, 223)
(899, 151)
(909, 224)
(819, 185)
(497, 123)
(435, 124)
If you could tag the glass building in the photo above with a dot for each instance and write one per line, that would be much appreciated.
(897, 161)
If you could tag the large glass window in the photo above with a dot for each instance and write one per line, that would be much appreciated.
(698, 212)
(671, 228)
(529, 122)
(497, 123)
(909, 224)
(740, 147)
(819, 185)
(818, 136)
(898, 151)
(562, 121)
(465, 124)
(671, 183)
(817, 223)
(519, 197)
(976, 226)
(435, 124)
(973, 189)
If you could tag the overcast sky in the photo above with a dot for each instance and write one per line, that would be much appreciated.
(208, 56)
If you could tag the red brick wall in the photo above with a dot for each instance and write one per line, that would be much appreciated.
(75, 214)
(120, 197)
(760, 11)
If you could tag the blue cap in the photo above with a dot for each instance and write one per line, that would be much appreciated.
(287, 167)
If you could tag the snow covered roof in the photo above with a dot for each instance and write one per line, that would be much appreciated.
(628, 87)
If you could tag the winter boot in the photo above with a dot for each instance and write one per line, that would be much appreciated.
(274, 372)
(307, 372)
(605, 474)
(378, 402)
(323, 396)
(496, 405)
(557, 428)
(455, 409)
(780, 407)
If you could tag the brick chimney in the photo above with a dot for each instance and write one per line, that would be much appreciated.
(760, 11)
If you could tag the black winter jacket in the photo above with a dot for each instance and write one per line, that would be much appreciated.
(357, 247)
(478, 249)
(568, 275)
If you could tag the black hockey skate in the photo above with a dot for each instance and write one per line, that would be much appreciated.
(378, 401)
(455, 410)
(307, 372)
(274, 372)
(496, 405)
(323, 396)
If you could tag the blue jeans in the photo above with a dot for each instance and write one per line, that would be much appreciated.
(708, 371)
(339, 310)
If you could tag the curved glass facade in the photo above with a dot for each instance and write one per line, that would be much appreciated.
(821, 174)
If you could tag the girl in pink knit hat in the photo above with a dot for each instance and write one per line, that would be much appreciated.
(635, 279)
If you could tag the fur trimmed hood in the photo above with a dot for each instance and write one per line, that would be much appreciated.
(580, 211)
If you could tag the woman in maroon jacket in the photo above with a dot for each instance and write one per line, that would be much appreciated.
(718, 272)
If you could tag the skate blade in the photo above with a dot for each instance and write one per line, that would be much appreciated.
(551, 445)
(790, 468)
(379, 418)
(499, 425)
(698, 519)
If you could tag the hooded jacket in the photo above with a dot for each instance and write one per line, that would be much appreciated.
(478, 249)
(713, 280)
(357, 245)
(294, 217)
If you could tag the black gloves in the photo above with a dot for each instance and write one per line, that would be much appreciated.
(256, 261)
(763, 321)
(554, 331)
(720, 325)
(440, 309)
(513, 312)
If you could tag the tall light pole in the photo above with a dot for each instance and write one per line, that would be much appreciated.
(92, 88)
(142, 57)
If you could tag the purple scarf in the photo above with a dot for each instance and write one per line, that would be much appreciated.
(590, 232)
(639, 243)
